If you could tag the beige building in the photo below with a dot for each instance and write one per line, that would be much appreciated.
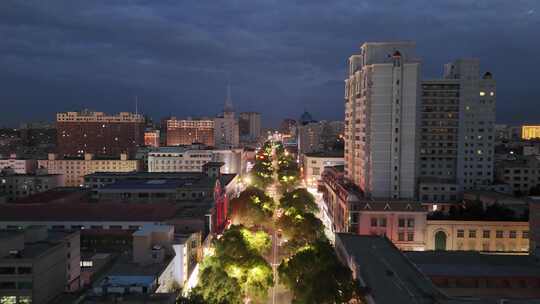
(530, 132)
(18, 165)
(74, 169)
(314, 164)
(502, 236)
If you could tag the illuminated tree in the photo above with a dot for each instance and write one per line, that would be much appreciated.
(252, 208)
(315, 275)
(299, 230)
(237, 271)
(299, 201)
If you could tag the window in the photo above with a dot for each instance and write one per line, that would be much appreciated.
(512, 234)
(25, 270)
(499, 234)
(485, 234)
(401, 236)
(410, 236)
(115, 227)
(87, 264)
(472, 234)
(525, 234)
(382, 222)
(7, 285)
(401, 222)
(24, 285)
(460, 233)
(410, 223)
(373, 222)
(7, 270)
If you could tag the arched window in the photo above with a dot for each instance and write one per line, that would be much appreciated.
(440, 240)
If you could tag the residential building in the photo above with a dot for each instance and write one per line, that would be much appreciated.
(318, 136)
(73, 169)
(37, 265)
(98, 133)
(403, 222)
(476, 135)
(17, 186)
(288, 127)
(382, 109)
(249, 124)
(314, 163)
(192, 158)
(151, 138)
(226, 128)
(522, 174)
(478, 235)
(530, 132)
(18, 165)
(189, 131)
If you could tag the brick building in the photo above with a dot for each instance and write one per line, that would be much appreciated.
(189, 131)
(98, 133)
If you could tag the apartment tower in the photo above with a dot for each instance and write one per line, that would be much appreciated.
(382, 102)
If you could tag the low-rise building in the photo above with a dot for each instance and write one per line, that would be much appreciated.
(314, 164)
(487, 278)
(74, 169)
(37, 266)
(18, 165)
(522, 174)
(403, 222)
(192, 158)
(383, 273)
(16, 186)
(485, 236)
(151, 138)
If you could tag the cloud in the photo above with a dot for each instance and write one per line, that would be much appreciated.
(178, 55)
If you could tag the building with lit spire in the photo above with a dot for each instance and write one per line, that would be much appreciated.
(226, 128)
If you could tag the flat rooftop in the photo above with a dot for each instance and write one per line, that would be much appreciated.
(474, 264)
(72, 212)
(389, 275)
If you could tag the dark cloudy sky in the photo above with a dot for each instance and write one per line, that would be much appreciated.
(281, 56)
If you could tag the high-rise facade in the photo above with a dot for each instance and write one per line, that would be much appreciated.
(189, 131)
(457, 132)
(476, 134)
(382, 102)
(98, 133)
(250, 125)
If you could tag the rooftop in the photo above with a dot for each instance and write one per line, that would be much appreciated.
(388, 274)
(328, 154)
(72, 212)
(389, 205)
(474, 264)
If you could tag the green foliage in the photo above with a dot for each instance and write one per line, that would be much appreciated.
(252, 208)
(315, 275)
(299, 229)
(215, 286)
(300, 200)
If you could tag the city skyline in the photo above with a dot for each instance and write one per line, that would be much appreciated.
(178, 58)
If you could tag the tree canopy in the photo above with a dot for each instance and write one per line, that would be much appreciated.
(252, 208)
(315, 275)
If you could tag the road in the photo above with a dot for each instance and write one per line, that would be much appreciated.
(279, 294)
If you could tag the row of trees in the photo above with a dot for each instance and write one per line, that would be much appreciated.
(311, 269)
(238, 270)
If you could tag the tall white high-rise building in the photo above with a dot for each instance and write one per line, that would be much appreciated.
(382, 102)
(226, 129)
